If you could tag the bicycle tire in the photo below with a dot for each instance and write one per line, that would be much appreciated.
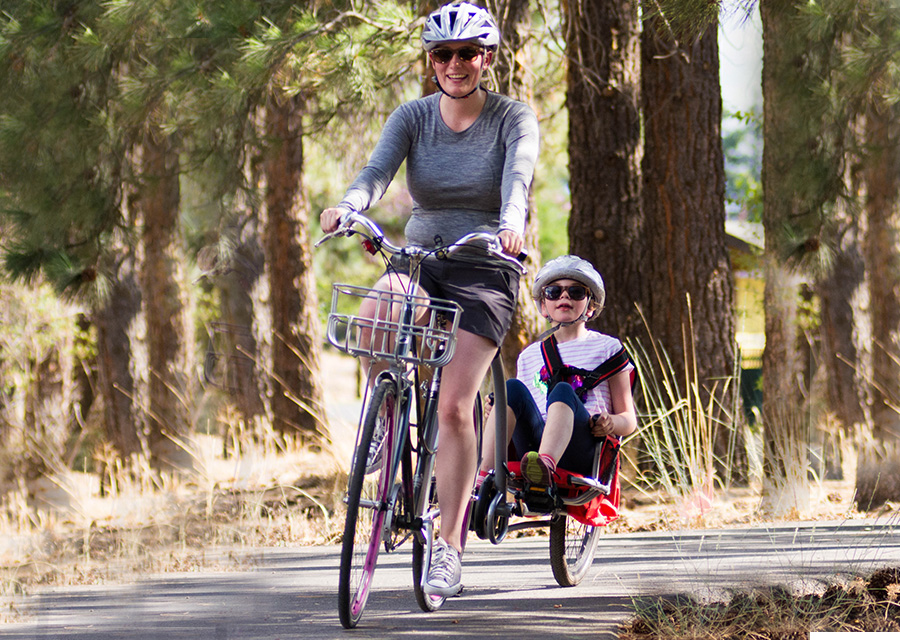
(368, 495)
(572, 547)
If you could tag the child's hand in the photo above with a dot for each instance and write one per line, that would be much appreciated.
(601, 425)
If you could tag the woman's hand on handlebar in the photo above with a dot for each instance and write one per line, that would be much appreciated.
(511, 242)
(330, 219)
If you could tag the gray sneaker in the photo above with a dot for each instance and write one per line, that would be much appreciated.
(445, 575)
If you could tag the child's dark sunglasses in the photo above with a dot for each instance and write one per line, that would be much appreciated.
(576, 292)
(445, 55)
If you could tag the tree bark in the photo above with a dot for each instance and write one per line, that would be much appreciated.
(297, 402)
(235, 287)
(163, 307)
(839, 292)
(606, 223)
(784, 371)
(882, 177)
(114, 319)
(690, 307)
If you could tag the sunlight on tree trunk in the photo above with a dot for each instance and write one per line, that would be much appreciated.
(784, 405)
(167, 417)
(297, 393)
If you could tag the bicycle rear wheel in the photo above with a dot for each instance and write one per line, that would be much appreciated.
(369, 491)
(572, 547)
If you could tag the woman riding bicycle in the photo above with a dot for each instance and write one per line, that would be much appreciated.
(470, 156)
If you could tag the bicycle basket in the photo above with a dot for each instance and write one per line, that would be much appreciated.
(434, 334)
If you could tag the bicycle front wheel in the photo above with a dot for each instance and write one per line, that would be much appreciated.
(371, 484)
(572, 547)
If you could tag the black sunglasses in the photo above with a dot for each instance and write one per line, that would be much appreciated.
(466, 54)
(575, 291)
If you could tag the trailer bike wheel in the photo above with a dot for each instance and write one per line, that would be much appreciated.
(572, 547)
(370, 488)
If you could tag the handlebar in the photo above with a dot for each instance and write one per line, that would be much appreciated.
(374, 234)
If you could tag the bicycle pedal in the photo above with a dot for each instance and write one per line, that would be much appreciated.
(540, 499)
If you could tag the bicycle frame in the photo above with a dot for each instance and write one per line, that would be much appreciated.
(395, 337)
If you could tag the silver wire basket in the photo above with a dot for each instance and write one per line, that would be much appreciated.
(434, 326)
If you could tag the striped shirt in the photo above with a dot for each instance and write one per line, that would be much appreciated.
(585, 353)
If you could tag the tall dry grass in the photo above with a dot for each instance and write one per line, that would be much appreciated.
(693, 439)
(78, 528)
(680, 422)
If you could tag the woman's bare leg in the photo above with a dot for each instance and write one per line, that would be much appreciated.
(456, 463)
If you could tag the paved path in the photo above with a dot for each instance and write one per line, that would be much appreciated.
(510, 591)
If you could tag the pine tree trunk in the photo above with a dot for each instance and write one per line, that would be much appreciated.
(297, 401)
(511, 70)
(237, 307)
(882, 176)
(606, 223)
(839, 293)
(784, 406)
(163, 307)
(113, 320)
(691, 297)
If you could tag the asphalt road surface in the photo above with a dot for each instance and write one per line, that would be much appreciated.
(510, 591)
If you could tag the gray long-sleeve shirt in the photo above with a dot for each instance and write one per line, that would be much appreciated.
(460, 182)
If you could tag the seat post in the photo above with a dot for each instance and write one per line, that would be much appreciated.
(502, 440)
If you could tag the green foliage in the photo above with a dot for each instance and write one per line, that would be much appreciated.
(59, 192)
(681, 21)
(742, 147)
(844, 58)
(84, 82)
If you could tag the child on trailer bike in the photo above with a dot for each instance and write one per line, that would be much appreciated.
(556, 409)
(470, 156)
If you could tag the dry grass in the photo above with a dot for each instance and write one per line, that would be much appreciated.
(65, 530)
(863, 604)
(75, 528)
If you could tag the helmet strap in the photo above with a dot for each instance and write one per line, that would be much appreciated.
(549, 332)
(584, 317)
(435, 80)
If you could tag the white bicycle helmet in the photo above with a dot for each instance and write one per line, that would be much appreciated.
(573, 268)
(460, 21)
